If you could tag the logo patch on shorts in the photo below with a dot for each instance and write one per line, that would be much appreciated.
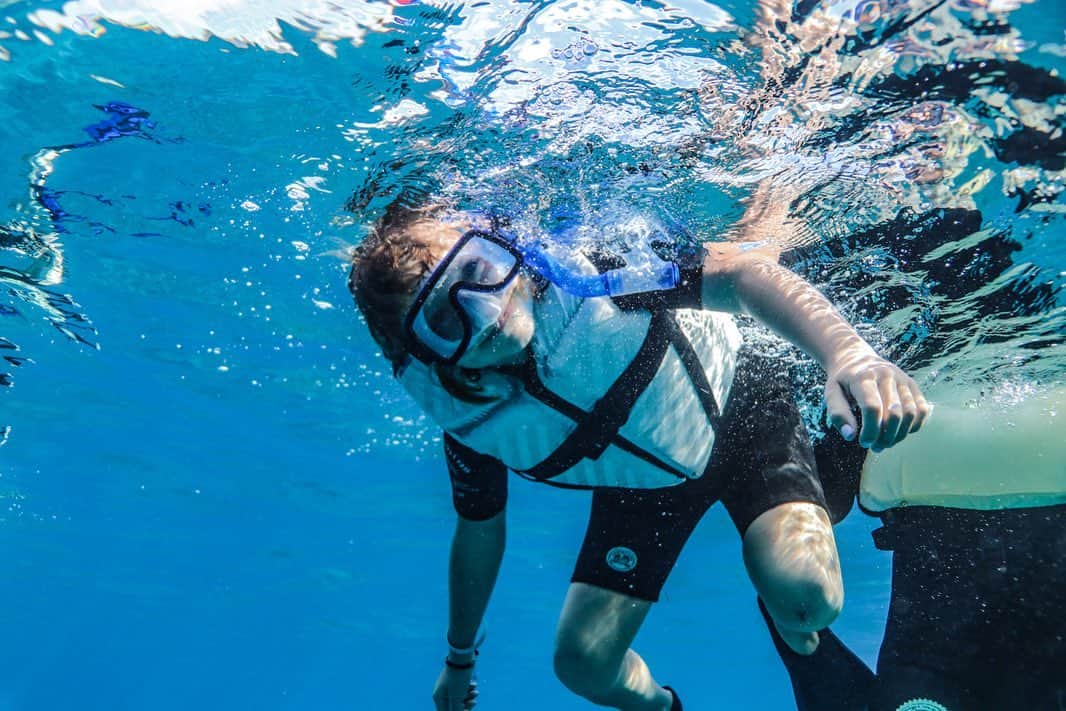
(622, 559)
(922, 705)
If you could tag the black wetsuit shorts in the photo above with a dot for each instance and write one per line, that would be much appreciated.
(762, 458)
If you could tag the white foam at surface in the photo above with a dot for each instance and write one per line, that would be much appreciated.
(243, 23)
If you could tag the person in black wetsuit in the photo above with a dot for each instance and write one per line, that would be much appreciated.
(979, 568)
(977, 529)
(975, 619)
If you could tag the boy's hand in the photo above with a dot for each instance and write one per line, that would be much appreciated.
(890, 402)
(456, 690)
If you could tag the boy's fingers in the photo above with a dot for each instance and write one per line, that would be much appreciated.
(838, 411)
(925, 409)
(891, 413)
(869, 399)
(910, 412)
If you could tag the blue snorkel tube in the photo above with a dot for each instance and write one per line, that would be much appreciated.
(615, 282)
(653, 274)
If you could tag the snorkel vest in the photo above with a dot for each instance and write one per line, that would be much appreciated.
(607, 398)
(977, 453)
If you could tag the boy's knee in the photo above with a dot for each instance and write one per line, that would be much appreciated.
(792, 560)
(583, 669)
(806, 606)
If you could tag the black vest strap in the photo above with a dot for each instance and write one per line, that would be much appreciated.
(696, 373)
(598, 428)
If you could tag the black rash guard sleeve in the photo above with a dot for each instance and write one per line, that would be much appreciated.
(479, 482)
(688, 294)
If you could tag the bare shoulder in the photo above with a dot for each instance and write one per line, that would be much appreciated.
(725, 262)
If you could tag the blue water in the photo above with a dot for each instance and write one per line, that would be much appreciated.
(211, 493)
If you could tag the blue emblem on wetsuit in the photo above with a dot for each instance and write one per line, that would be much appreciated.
(621, 559)
(922, 705)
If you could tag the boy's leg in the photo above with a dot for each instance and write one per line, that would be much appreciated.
(632, 542)
(771, 490)
(592, 650)
(791, 557)
(776, 500)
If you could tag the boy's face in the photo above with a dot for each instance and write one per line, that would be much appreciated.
(502, 320)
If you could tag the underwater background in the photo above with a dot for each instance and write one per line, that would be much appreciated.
(212, 493)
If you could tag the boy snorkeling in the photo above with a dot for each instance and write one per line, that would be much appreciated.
(567, 376)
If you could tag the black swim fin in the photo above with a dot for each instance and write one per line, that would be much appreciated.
(675, 705)
(831, 679)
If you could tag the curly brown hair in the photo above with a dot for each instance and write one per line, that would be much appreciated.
(387, 268)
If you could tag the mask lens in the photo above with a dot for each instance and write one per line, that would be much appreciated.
(481, 308)
(482, 263)
(474, 273)
(440, 316)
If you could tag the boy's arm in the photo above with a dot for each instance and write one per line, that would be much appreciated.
(479, 494)
(753, 282)
(477, 550)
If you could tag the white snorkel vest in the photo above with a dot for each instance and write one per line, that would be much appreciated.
(975, 452)
(609, 397)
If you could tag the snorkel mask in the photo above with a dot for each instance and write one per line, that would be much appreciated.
(461, 299)
(464, 296)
